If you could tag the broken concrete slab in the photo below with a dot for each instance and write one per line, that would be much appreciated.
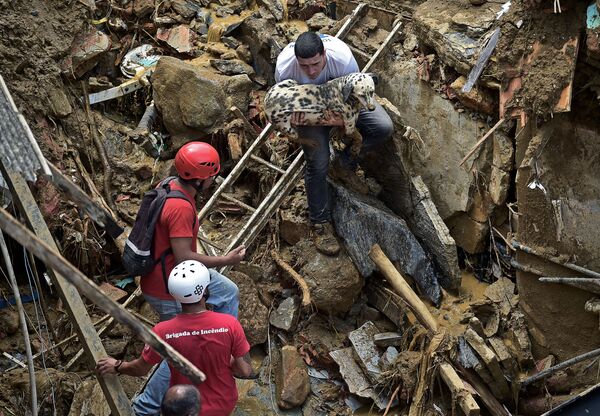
(286, 315)
(293, 385)
(388, 339)
(355, 378)
(362, 222)
(366, 350)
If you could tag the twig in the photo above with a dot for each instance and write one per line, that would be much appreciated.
(394, 394)
(15, 288)
(480, 142)
(100, 148)
(294, 275)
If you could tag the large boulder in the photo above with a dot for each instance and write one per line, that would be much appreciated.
(204, 107)
(334, 282)
(362, 222)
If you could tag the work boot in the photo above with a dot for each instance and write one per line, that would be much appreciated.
(348, 178)
(324, 239)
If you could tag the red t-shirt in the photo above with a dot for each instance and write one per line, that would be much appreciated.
(208, 340)
(176, 220)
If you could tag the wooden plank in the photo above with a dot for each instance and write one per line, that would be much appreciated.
(354, 16)
(80, 282)
(466, 401)
(110, 384)
(382, 47)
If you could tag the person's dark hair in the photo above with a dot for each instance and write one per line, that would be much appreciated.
(181, 400)
(308, 45)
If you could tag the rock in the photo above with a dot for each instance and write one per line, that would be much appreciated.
(294, 225)
(388, 358)
(9, 321)
(232, 66)
(482, 206)
(388, 339)
(411, 42)
(286, 315)
(58, 102)
(293, 385)
(499, 185)
(255, 272)
(319, 21)
(276, 7)
(502, 290)
(89, 400)
(468, 233)
(253, 315)
(477, 2)
(362, 222)
(265, 43)
(142, 8)
(502, 152)
(85, 51)
(517, 340)
(181, 38)
(477, 99)
(317, 339)
(115, 347)
(334, 282)
(504, 356)
(488, 315)
(148, 311)
(204, 109)
(186, 8)
(243, 52)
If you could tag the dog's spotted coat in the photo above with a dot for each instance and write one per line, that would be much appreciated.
(346, 95)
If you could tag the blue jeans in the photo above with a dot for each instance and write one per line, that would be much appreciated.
(375, 127)
(224, 296)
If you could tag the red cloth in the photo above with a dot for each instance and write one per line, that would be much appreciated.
(209, 340)
(176, 220)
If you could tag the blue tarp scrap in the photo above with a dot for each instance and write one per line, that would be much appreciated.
(12, 301)
(593, 16)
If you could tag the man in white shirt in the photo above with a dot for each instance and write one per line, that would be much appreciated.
(316, 59)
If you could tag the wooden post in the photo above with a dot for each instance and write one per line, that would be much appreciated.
(399, 284)
(54, 260)
(480, 142)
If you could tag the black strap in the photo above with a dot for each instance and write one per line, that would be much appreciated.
(163, 266)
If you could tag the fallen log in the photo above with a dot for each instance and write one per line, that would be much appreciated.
(588, 355)
(294, 275)
(55, 261)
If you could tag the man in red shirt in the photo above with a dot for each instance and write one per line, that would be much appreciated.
(212, 341)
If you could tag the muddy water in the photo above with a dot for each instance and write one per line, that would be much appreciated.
(220, 25)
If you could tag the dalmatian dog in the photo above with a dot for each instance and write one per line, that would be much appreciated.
(345, 95)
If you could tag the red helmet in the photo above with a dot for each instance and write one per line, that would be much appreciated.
(197, 160)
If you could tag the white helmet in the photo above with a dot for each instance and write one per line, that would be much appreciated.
(188, 281)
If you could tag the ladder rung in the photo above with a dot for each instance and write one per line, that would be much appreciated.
(268, 164)
(207, 241)
(238, 202)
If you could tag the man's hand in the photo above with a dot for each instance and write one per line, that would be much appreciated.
(106, 366)
(236, 255)
(297, 119)
(331, 118)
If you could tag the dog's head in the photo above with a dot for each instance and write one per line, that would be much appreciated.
(362, 87)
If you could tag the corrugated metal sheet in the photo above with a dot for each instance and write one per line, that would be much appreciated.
(19, 150)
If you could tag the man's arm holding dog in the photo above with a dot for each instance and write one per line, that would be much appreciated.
(330, 118)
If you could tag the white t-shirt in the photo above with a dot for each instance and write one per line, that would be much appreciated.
(340, 62)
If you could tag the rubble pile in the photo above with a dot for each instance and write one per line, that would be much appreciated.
(487, 188)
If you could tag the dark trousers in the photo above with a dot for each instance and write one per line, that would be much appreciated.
(375, 127)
